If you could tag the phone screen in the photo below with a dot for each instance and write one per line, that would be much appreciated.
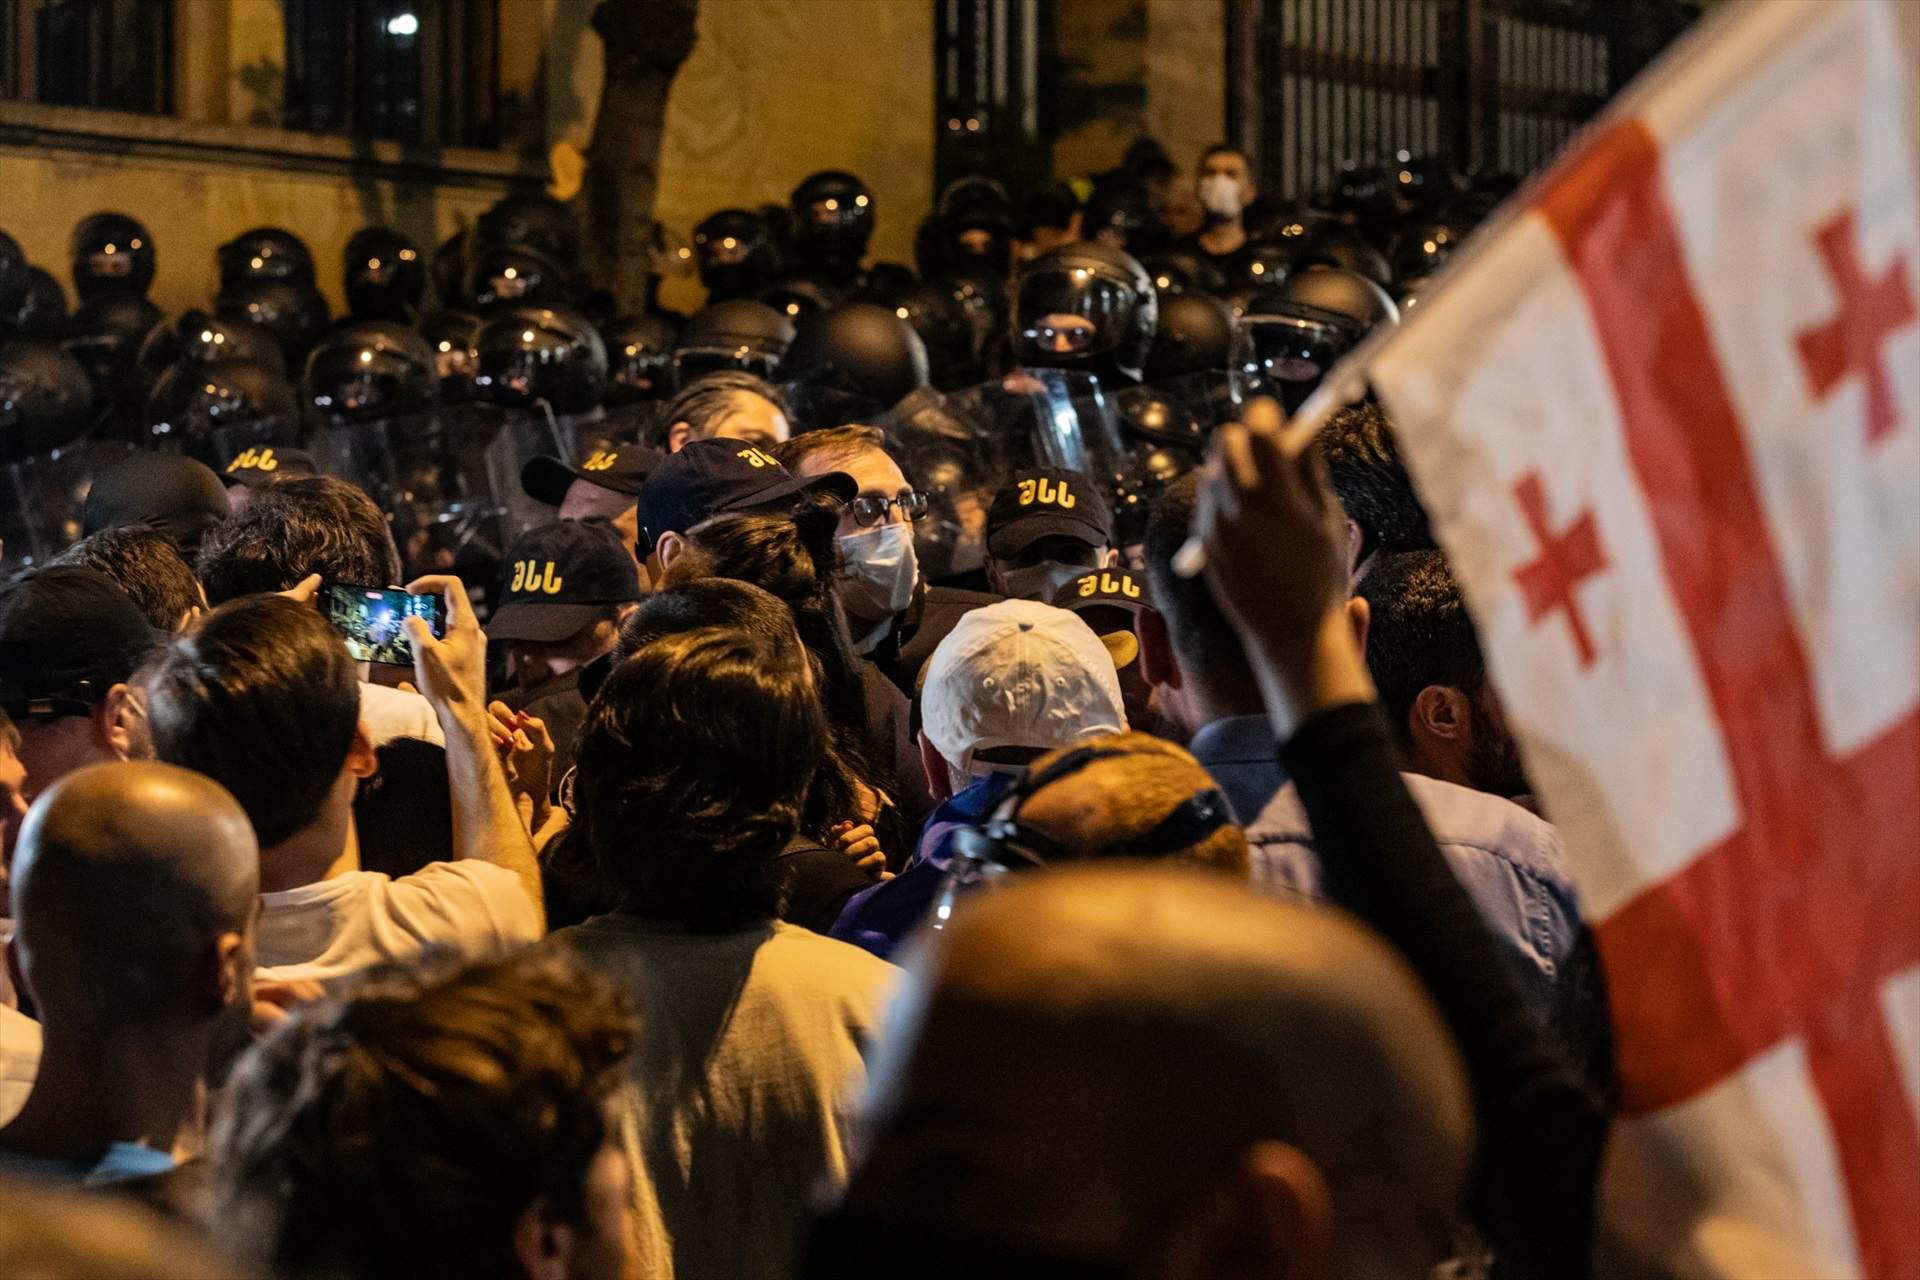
(373, 619)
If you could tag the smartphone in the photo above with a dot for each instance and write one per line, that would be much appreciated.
(373, 620)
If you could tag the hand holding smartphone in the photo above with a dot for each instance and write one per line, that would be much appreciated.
(373, 620)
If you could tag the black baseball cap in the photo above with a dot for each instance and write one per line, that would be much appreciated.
(708, 477)
(67, 635)
(259, 465)
(558, 577)
(177, 495)
(611, 464)
(1108, 600)
(1047, 503)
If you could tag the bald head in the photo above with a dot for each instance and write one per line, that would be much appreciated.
(125, 880)
(1100, 1045)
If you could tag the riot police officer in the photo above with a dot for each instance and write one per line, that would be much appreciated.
(852, 364)
(104, 335)
(735, 255)
(733, 335)
(212, 411)
(1300, 329)
(110, 253)
(1087, 308)
(833, 217)
(384, 275)
(264, 253)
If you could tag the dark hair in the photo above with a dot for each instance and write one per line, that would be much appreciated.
(1364, 464)
(1420, 633)
(1205, 640)
(294, 527)
(709, 398)
(402, 1128)
(694, 767)
(1225, 149)
(837, 441)
(144, 563)
(261, 697)
(725, 603)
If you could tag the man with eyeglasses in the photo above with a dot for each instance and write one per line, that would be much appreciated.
(895, 618)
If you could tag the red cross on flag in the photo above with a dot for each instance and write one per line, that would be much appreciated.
(1666, 417)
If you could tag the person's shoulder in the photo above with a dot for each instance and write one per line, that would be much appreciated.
(1460, 815)
(830, 958)
(475, 893)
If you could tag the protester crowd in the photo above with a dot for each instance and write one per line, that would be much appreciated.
(802, 821)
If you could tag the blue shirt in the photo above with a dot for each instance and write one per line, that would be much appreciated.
(1244, 760)
(878, 919)
(119, 1161)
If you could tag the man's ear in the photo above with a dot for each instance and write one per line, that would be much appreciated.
(117, 719)
(1157, 662)
(939, 780)
(1111, 560)
(1360, 615)
(543, 1246)
(363, 761)
(1271, 1215)
(1440, 711)
(667, 548)
(227, 976)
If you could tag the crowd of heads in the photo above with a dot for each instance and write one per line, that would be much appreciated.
(487, 754)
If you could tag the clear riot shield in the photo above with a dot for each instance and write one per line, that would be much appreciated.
(961, 446)
(218, 443)
(448, 478)
(41, 501)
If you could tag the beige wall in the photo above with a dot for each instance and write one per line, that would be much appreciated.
(1173, 48)
(1186, 76)
(775, 90)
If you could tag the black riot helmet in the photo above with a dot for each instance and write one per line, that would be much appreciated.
(515, 275)
(1195, 335)
(199, 337)
(110, 253)
(524, 355)
(1119, 213)
(264, 253)
(639, 357)
(938, 317)
(734, 253)
(534, 221)
(1421, 249)
(733, 335)
(1086, 307)
(104, 335)
(800, 295)
(1346, 248)
(449, 336)
(13, 274)
(370, 370)
(192, 401)
(1177, 271)
(974, 230)
(860, 348)
(1301, 328)
(295, 314)
(43, 311)
(832, 221)
(1266, 262)
(385, 275)
(46, 399)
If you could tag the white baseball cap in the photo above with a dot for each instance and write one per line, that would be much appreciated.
(1017, 674)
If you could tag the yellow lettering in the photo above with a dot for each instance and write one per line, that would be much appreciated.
(240, 460)
(1088, 585)
(600, 461)
(519, 575)
(550, 582)
(756, 458)
(1130, 588)
(266, 461)
(1026, 493)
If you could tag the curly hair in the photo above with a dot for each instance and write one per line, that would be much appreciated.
(1363, 461)
(694, 769)
(402, 1127)
(147, 565)
(294, 527)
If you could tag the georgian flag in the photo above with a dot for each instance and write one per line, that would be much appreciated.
(1666, 417)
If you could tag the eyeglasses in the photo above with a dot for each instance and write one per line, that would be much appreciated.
(869, 510)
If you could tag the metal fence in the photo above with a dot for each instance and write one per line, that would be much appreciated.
(1495, 85)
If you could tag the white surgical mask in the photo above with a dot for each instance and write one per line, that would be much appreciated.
(880, 570)
(1220, 194)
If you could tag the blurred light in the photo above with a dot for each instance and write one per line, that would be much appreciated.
(445, 345)
(1429, 246)
(511, 274)
(373, 264)
(832, 205)
(728, 243)
(403, 24)
(408, 255)
(257, 264)
(206, 335)
(793, 308)
(109, 248)
(901, 312)
(1258, 268)
(686, 253)
(859, 200)
(527, 336)
(366, 357)
(133, 244)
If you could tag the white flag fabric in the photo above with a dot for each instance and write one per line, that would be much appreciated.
(1666, 419)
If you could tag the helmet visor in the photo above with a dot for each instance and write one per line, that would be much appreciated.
(1071, 313)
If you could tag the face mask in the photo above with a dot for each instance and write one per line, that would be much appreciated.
(1040, 581)
(1220, 195)
(880, 570)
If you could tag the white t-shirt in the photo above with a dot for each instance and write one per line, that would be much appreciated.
(335, 928)
(19, 1060)
(395, 713)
